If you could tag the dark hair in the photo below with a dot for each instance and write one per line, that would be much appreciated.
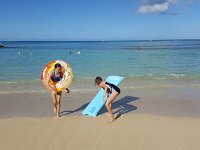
(57, 65)
(98, 80)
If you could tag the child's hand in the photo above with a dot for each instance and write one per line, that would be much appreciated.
(54, 92)
(67, 90)
(104, 98)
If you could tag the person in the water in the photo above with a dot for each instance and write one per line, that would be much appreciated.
(111, 91)
(55, 76)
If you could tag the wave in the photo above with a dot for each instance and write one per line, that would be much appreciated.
(8, 82)
(20, 82)
(175, 75)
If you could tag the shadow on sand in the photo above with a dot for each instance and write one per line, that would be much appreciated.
(67, 112)
(119, 107)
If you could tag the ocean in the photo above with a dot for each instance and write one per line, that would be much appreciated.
(144, 64)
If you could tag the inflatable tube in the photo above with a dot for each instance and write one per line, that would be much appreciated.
(67, 74)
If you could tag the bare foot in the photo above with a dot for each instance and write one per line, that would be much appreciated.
(107, 115)
(57, 116)
(112, 119)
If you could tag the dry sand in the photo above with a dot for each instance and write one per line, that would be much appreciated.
(153, 119)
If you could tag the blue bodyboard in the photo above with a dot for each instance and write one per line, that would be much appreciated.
(97, 103)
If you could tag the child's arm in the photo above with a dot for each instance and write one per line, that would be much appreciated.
(48, 81)
(61, 74)
(106, 91)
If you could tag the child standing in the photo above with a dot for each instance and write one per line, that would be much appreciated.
(54, 77)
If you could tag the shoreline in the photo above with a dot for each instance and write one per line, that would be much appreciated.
(88, 85)
(180, 102)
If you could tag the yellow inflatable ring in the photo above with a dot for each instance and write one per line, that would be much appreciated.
(67, 74)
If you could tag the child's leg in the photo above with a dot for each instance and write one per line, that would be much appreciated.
(54, 102)
(108, 114)
(54, 97)
(109, 104)
(58, 103)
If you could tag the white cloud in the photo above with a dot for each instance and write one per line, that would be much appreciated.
(155, 6)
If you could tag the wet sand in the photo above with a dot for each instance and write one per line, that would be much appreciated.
(180, 102)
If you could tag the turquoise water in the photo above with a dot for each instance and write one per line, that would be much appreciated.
(166, 59)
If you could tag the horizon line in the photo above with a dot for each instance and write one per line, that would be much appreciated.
(96, 40)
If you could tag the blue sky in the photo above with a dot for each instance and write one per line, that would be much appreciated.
(99, 19)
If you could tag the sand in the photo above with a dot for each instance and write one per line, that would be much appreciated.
(139, 132)
(152, 119)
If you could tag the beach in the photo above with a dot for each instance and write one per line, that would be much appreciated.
(100, 75)
(164, 118)
(158, 108)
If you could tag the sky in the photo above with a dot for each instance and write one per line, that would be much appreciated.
(75, 20)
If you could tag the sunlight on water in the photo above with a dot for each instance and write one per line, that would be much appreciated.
(135, 60)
